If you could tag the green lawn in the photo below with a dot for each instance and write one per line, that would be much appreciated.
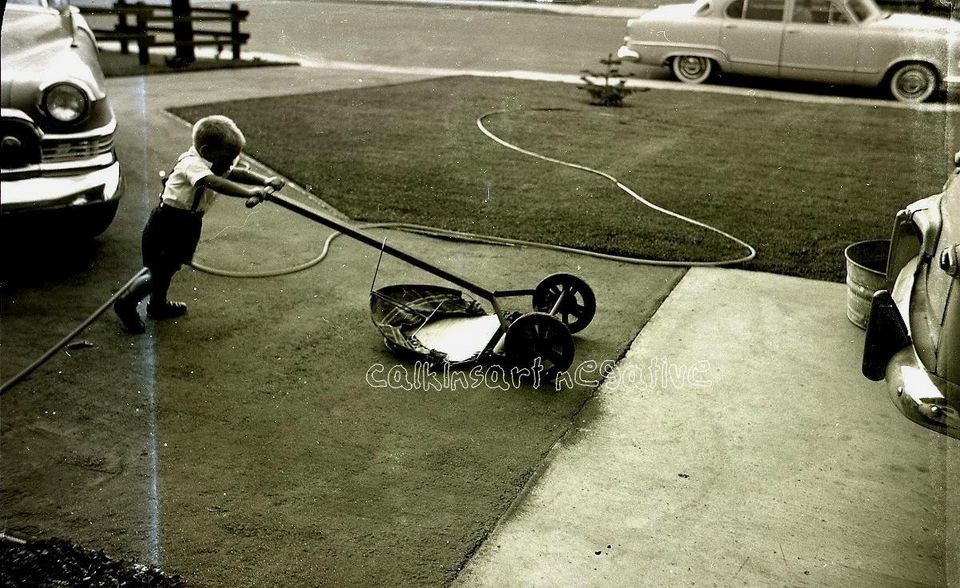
(798, 181)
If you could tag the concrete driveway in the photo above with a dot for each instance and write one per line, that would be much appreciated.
(738, 444)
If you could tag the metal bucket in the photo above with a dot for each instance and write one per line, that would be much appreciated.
(866, 273)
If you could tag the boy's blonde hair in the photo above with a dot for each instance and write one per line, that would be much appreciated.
(217, 131)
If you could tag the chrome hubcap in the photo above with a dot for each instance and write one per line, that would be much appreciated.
(692, 67)
(913, 83)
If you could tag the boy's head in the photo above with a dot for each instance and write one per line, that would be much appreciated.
(218, 140)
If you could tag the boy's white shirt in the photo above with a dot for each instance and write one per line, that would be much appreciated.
(180, 187)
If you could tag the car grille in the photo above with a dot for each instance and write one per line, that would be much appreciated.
(19, 144)
(63, 151)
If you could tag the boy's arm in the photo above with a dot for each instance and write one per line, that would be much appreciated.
(228, 187)
(245, 176)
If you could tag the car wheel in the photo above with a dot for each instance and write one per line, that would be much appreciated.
(539, 339)
(913, 82)
(691, 69)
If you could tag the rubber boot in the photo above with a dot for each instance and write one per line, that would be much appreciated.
(159, 308)
(126, 304)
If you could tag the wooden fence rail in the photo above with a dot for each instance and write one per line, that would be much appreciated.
(145, 34)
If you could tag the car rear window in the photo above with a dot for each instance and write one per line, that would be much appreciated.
(763, 9)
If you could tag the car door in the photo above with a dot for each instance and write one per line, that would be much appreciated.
(820, 42)
(751, 35)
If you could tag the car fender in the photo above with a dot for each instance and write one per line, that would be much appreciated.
(715, 53)
(922, 397)
(915, 231)
(36, 52)
(673, 30)
(938, 65)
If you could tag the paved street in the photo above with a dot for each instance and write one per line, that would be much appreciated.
(432, 37)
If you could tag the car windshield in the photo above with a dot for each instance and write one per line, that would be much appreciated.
(864, 9)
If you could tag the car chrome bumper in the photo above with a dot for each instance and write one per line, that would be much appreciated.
(919, 395)
(46, 192)
(627, 54)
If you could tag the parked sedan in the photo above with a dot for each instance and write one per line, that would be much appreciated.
(833, 41)
(58, 158)
(913, 336)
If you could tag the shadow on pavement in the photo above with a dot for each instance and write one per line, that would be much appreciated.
(37, 258)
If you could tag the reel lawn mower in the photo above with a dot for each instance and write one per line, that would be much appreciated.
(440, 324)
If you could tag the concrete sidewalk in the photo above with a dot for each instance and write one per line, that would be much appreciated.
(748, 451)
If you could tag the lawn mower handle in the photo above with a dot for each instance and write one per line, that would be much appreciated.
(338, 225)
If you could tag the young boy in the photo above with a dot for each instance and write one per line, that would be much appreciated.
(173, 230)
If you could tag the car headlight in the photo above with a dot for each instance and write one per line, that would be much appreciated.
(64, 102)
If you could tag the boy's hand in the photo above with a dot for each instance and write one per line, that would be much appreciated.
(258, 195)
(275, 183)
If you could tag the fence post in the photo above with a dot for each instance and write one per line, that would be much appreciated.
(183, 31)
(143, 44)
(122, 27)
(235, 29)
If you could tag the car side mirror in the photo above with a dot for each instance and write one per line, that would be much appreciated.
(704, 8)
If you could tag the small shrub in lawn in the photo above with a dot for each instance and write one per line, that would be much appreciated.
(606, 94)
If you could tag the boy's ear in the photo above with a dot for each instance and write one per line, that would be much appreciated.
(202, 150)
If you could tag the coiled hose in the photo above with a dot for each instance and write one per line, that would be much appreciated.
(487, 239)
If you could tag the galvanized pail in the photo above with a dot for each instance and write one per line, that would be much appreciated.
(866, 273)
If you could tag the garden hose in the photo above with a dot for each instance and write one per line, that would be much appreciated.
(435, 232)
(70, 336)
(751, 251)
(491, 240)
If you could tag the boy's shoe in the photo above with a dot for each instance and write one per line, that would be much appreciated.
(129, 316)
(168, 310)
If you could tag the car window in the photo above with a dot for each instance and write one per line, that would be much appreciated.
(763, 9)
(837, 15)
(735, 9)
(818, 12)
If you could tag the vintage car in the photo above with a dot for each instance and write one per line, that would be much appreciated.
(913, 334)
(832, 41)
(58, 159)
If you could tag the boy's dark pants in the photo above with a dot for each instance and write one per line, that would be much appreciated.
(169, 241)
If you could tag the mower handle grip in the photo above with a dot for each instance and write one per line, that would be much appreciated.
(255, 200)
